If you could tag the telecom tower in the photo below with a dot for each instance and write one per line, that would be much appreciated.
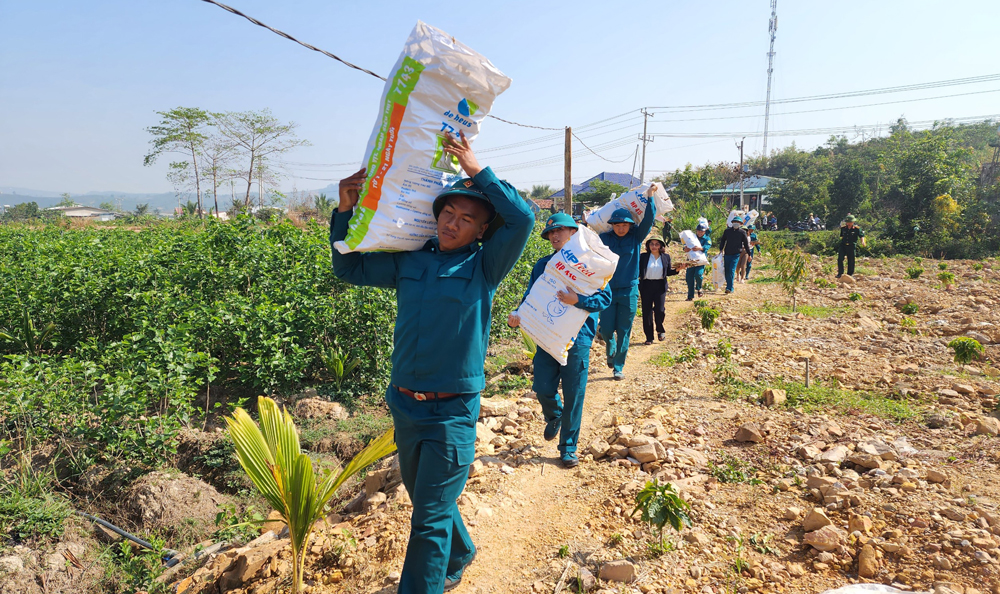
(772, 28)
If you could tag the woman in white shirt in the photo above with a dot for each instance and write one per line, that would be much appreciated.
(654, 268)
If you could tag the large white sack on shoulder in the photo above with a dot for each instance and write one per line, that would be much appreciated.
(690, 239)
(718, 274)
(438, 85)
(704, 221)
(552, 324)
(661, 199)
(750, 217)
(584, 265)
(633, 201)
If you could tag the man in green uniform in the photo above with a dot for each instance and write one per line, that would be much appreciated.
(563, 417)
(444, 294)
(849, 235)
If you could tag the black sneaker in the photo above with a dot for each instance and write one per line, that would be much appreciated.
(552, 429)
(452, 581)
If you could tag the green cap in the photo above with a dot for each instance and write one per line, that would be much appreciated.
(849, 219)
(556, 221)
(468, 188)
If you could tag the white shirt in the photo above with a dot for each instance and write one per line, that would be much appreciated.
(654, 270)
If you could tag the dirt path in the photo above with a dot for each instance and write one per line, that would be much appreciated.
(544, 506)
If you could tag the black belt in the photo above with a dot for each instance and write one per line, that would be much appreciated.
(426, 395)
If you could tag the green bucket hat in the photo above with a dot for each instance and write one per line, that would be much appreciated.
(467, 187)
(558, 220)
(850, 219)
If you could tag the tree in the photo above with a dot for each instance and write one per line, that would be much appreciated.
(66, 200)
(324, 206)
(849, 192)
(141, 209)
(599, 193)
(181, 130)
(24, 211)
(216, 155)
(257, 138)
(541, 191)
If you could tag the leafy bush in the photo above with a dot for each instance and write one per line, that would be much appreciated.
(792, 271)
(661, 505)
(734, 470)
(824, 284)
(910, 308)
(855, 297)
(908, 325)
(708, 316)
(914, 272)
(978, 266)
(966, 349)
(942, 266)
(946, 278)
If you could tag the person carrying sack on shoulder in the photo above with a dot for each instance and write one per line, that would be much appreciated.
(695, 275)
(624, 239)
(444, 295)
(654, 268)
(563, 418)
(849, 236)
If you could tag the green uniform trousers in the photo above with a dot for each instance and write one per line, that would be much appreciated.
(616, 324)
(849, 252)
(436, 440)
(573, 375)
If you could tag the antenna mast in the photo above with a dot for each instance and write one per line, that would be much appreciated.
(772, 28)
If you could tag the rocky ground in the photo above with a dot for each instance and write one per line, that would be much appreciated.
(883, 470)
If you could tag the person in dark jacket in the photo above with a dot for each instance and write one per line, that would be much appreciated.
(444, 296)
(654, 268)
(734, 239)
(849, 236)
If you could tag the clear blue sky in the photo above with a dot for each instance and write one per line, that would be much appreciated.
(80, 81)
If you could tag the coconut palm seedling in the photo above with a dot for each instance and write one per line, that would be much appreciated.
(966, 349)
(530, 348)
(271, 456)
(661, 505)
(27, 337)
(339, 366)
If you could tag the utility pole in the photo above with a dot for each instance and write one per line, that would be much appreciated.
(644, 138)
(568, 172)
(772, 28)
(741, 170)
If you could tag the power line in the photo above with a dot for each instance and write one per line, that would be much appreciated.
(844, 95)
(784, 113)
(833, 130)
(595, 152)
(339, 59)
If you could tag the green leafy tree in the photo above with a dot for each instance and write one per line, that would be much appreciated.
(541, 191)
(792, 271)
(182, 130)
(661, 505)
(966, 349)
(66, 200)
(849, 192)
(23, 211)
(599, 193)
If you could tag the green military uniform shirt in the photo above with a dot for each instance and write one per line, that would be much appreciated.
(849, 237)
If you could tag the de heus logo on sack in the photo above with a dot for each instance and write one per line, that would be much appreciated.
(466, 108)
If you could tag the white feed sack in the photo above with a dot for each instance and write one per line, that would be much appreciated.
(584, 266)
(438, 85)
(718, 271)
(736, 214)
(633, 201)
(690, 239)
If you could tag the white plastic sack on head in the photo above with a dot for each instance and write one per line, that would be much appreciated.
(584, 265)
(750, 217)
(438, 85)
(633, 201)
(704, 221)
(736, 214)
(690, 239)
(718, 272)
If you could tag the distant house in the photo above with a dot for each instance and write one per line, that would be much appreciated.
(622, 179)
(540, 204)
(84, 212)
(754, 187)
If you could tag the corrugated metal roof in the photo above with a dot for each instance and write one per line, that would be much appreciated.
(622, 179)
